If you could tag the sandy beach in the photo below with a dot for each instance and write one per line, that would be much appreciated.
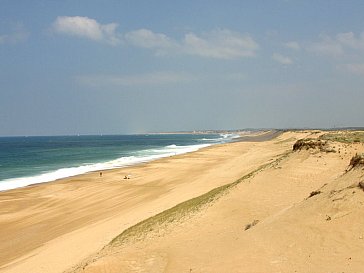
(248, 206)
(181, 136)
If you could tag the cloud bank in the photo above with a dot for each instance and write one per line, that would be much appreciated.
(217, 44)
(223, 44)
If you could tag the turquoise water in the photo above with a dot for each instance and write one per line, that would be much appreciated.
(29, 160)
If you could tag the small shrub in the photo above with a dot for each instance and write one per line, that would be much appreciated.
(356, 160)
(309, 143)
(314, 193)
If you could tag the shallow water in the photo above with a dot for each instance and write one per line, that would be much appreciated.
(30, 160)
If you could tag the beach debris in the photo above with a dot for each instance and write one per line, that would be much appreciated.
(328, 218)
(252, 224)
(309, 143)
(100, 174)
(127, 176)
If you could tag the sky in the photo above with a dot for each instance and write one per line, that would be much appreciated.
(123, 67)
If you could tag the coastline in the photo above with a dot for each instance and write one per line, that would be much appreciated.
(154, 150)
(67, 225)
(63, 207)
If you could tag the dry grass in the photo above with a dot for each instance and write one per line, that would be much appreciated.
(154, 223)
(345, 137)
(182, 210)
(309, 143)
(176, 213)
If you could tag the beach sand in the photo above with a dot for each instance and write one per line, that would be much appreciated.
(264, 222)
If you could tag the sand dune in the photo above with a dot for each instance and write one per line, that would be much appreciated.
(293, 232)
(237, 207)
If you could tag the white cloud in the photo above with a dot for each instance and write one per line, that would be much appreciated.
(220, 44)
(282, 59)
(293, 45)
(17, 34)
(339, 45)
(85, 27)
(148, 39)
(326, 46)
(148, 79)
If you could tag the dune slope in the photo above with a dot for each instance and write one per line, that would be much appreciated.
(302, 212)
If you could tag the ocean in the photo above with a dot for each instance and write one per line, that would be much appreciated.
(30, 160)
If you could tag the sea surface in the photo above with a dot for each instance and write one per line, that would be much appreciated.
(29, 160)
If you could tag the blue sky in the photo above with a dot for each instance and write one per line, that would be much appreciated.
(114, 67)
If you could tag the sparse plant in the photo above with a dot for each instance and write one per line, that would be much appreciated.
(309, 143)
(313, 193)
(252, 224)
(345, 137)
(357, 159)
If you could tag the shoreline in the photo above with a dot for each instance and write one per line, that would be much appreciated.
(64, 207)
(99, 166)
(21, 182)
(84, 214)
(258, 136)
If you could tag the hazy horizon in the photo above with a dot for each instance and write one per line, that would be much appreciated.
(197, 131)
(128, 67)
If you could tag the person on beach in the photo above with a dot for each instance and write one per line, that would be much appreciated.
(100, 174)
